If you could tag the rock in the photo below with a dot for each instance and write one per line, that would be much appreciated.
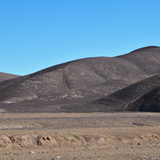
(46, 140)
(23, 141)
(5, 142)
(31, 152)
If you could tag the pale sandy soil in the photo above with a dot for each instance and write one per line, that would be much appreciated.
(80, 136)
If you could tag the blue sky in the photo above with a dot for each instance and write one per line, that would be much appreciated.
(35, 34)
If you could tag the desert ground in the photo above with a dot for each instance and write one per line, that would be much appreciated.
(80, 136)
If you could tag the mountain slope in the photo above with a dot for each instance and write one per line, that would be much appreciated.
(130, 98)
(6, 76)
(82, 85)
(148, 102)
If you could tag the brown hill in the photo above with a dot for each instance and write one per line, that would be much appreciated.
(6, 76)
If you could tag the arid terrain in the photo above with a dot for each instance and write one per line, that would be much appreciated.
(80, 136)
(129, 82)
(98, 108)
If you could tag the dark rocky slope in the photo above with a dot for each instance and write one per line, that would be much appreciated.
(130, 98)
(86, 85)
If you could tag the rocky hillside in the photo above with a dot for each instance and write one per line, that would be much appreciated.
(125, 83)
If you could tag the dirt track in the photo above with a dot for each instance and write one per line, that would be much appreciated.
(67, 136)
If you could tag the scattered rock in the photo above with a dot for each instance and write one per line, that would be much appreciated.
(46, 140)
(31, 152)
(117, 147)
(5, 142)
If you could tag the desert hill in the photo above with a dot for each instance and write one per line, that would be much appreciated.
(6, 76)
(120, 83)
(131, 98)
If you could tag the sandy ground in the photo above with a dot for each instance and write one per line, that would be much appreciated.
(80, 136)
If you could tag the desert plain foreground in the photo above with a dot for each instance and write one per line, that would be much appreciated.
(80, 136)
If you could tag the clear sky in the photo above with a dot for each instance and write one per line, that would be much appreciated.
(35, 34)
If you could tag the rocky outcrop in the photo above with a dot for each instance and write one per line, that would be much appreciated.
(33, 141)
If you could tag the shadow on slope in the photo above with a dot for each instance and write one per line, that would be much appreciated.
(141, 96)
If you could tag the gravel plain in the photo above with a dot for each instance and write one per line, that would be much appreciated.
(80, 136)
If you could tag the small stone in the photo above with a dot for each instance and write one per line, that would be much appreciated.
(58, 157)
(31, 152)
(15, 153)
